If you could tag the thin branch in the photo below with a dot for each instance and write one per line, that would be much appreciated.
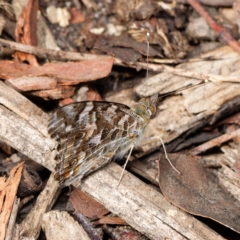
(224, 34)
(49, 53)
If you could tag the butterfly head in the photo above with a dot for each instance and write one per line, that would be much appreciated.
(146, 107)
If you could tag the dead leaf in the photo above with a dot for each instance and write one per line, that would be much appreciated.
(127, 55)
(86, 205)
(197, 191)
(129, 42)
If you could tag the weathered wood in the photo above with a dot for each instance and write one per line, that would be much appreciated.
(21, 135)
(17, 103)
(56, 223)
(197, 103)
(31, 225)
(12, 220)
(8, 191)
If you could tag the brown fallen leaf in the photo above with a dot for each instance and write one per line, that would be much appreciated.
(197, 191)
(125, 41)
(81, 202)
(127, 55)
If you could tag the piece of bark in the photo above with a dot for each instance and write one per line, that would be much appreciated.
(147, 170)
(26, 83)
(8, 190)
(23, 108)
(52, 54)
(56, 93)
(30, 183)
(24, 127)
(18, 133)
(31, 225)
(56, 224)
(44, 34)
(87, 226)
(25, 31)
(111, 220)
(68, 73)
(152, 216)
(12, 219)
(215, 142)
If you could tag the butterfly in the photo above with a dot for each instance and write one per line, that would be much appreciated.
(91, 134)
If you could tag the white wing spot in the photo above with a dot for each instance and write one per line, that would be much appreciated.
(68, 128)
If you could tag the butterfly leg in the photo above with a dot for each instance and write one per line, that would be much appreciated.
(165, 152)
(124, 167)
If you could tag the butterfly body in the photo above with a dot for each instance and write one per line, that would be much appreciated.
(90, 134)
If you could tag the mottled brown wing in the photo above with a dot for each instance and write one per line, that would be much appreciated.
(89, 135)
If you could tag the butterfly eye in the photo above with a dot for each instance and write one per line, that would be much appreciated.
(153, 110)
(149, 112)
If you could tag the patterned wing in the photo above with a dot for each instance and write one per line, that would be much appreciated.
(89, 135)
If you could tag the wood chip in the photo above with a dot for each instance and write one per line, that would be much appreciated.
(60, 225)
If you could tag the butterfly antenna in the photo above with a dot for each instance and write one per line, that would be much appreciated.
(147, 53)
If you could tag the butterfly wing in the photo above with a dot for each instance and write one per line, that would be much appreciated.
(89, 135)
